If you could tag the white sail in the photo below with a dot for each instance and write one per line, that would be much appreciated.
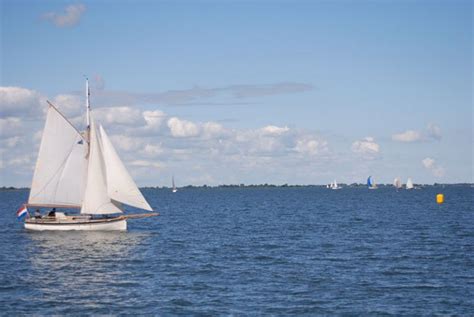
(120, 185)
(397, 183)
(58, 178)
(409, 184)
(96, 197)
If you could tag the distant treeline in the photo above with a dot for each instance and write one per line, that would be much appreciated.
(4, 188)
(288, 185)
(13, 188)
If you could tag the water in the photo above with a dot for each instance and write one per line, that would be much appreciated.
(271, 251)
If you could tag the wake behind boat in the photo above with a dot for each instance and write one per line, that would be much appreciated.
(82, 171)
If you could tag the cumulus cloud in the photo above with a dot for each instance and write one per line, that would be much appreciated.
(432, 132)
(366, 147)
(311, 146)
(16, 101)
(407, 136)
(431, 165)
(69, 105)
(127, 143)
(274, 130)
(10, 126)
(152, 150)
(154, 119)
(212, 129)
(182, 128)
(70, 17)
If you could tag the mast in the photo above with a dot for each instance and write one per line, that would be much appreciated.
(88, 104)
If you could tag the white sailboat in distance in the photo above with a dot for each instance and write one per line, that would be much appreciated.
(397, 183)
(410, 184)
(174, 190)
(80, 170)
(335, 186)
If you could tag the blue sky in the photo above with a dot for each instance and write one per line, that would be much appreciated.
(262, 91)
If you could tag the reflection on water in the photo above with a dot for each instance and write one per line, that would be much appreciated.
(84, 268)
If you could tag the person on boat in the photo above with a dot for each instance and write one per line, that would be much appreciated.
(52, 213)
(37, 214)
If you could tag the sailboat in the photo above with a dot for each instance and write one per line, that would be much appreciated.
(80, 170)
(335, 186)
(174, 190)
(410, 184)
(397, 183)
(371, 184)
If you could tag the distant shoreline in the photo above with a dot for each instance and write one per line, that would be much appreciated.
(353, 185)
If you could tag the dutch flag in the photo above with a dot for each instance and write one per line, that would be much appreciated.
(22, 212)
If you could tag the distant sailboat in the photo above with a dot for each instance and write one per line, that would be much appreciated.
(335, 186)
(80, 170)
(410, 184)
(174, 190)
(397, 183)
(370, 183)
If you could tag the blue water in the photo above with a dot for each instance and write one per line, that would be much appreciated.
(270, 251)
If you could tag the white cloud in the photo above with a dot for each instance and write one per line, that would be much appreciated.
(119, 115)
(70, 17)
(432, 132)
(311, 146)
(69, 105)
(407, 136)
(10, 126)
(126, 143)
(152, 150)
(154, 119)
(366, 147)
(182, 128)
(20, 160)
(145, 163)
(431, 165)
(274, 130)
(212, 130)
(17, 101)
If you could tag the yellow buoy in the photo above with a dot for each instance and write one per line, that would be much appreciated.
(440, 199)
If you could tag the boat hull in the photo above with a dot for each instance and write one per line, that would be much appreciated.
(109, 225)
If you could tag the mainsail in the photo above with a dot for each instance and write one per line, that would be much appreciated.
(58, 178)
(409, 184)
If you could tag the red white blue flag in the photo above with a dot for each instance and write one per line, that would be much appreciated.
(21, 212)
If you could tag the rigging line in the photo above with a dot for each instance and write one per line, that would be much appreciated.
(59, 112)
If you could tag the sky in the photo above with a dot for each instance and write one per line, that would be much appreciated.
(253, 92)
